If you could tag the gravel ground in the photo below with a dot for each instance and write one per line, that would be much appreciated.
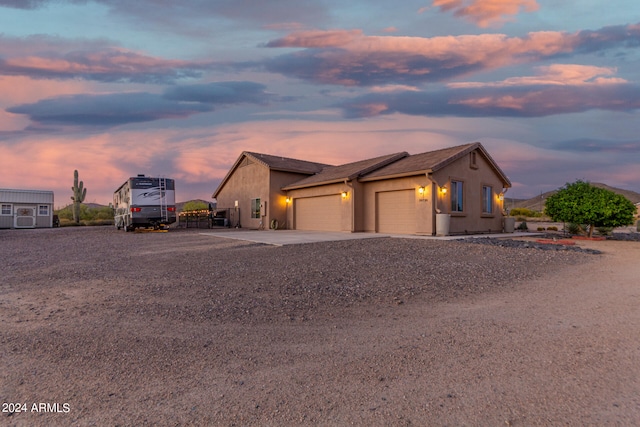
(114, 328)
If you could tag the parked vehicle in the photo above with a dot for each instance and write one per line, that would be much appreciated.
(143, 202)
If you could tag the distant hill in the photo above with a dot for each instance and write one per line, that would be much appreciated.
(537, 203)
(179, 205)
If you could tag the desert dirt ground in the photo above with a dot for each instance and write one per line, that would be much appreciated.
(112, 328)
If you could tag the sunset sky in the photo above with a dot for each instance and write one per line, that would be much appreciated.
(114, 88)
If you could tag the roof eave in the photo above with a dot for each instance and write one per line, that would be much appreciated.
(395, 175)
(315, 184)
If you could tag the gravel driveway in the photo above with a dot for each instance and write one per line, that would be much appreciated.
(100, 327)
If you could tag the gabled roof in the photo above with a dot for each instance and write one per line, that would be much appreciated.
(383, 167)
(285, 164)
(432, 161)
(278, 163)
(349, 171)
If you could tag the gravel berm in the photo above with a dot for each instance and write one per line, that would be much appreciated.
(105, 327)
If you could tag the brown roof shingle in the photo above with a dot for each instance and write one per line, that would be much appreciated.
(348, 171)
(286, 164)
(418, 163)
(433, 161)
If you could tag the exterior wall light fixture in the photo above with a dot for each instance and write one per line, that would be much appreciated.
(421, 193)
(501, 197)
(344, 194)
(443, 189)
(287, 200)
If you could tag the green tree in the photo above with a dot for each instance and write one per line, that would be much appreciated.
(582, 203)
(195, 205)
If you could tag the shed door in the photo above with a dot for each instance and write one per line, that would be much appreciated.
(318, 213)
(25, 217)
(396, 212)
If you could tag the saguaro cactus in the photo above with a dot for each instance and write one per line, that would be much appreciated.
(79, 193)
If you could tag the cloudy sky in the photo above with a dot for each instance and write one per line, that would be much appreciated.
(179, 89)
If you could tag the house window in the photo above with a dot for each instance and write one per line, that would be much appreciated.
(456, 196)
(43, 210)
(6, 210)
(255, 208)
(487, 199)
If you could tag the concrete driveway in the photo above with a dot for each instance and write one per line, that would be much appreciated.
(291, 237)
(296, 237)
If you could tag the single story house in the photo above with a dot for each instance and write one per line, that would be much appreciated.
(457, 190)
(26, 208)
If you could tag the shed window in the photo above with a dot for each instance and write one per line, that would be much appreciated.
(456, 196)
(487, 199)
(6, 210)
(255, 208)
(43, 210)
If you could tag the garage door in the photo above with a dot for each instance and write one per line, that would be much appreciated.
(396, 212)
(318, 213)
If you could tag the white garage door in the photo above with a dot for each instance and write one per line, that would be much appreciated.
(318, 213)
(396, 212)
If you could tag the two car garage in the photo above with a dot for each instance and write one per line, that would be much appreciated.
(395, 212)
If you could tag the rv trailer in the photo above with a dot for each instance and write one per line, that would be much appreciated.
(143, 202)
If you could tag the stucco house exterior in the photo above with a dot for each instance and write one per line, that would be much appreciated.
(26, 208)
(454, 190)
(252, 189)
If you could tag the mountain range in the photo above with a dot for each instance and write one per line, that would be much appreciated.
(537, 203)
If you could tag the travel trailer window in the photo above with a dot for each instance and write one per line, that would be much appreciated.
(6, 210)
(43, 210)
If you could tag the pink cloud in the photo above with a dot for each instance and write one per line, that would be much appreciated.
(351, 58)
(55, 58)
(311, 39)
(556, 74)
(485, 13)
(364, 59)
(20, 89)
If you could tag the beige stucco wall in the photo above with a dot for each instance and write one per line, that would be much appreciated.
(471, 220)
(252, 181)
(278, 205)
(246, 183)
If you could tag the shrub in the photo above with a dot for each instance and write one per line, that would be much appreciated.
(524, 212)
(540, 228)
(523, 226)
(604, 231)
(552, 228)
(574, 228)
(88, 216)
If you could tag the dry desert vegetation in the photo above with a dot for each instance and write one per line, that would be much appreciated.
(100, 327)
